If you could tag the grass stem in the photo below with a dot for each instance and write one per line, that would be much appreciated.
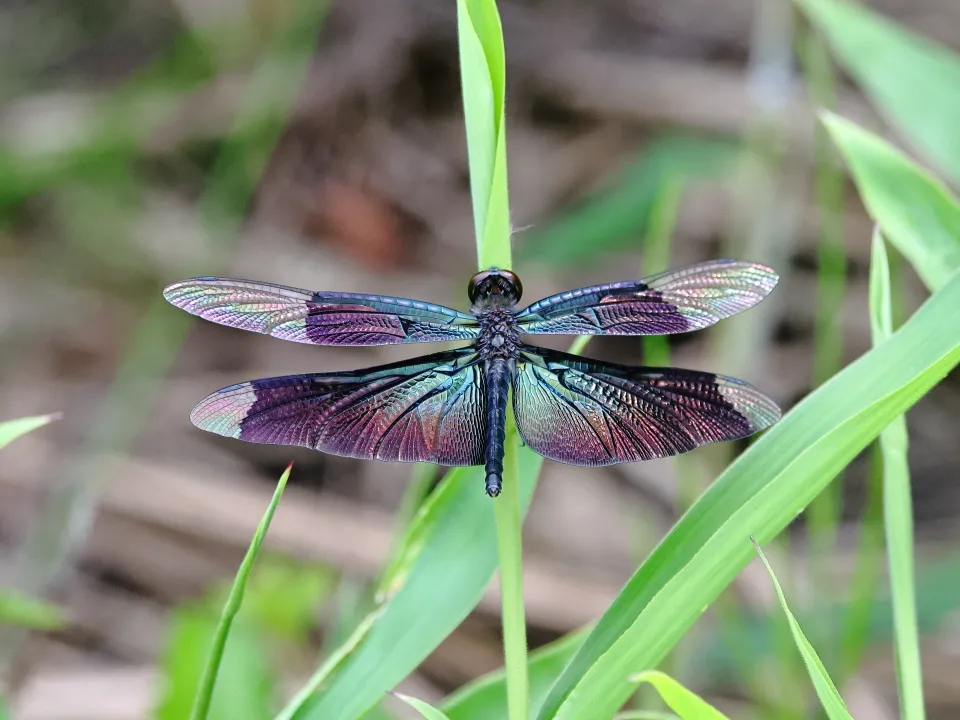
(509, 547)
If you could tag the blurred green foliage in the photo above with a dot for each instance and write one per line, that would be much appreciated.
(616, 217)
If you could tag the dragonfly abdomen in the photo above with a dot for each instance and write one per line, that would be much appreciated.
(496, 374)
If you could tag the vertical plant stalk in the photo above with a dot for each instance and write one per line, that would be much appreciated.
(483, 79)
(509, 522)
(897, 508)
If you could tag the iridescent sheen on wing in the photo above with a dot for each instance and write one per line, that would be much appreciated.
(585, 412)
(450, 408)
(327, 318)
(429, 409)
(672, 302)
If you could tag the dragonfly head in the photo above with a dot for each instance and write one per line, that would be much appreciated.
(495, 287)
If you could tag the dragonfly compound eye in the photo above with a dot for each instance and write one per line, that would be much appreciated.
(494, 282)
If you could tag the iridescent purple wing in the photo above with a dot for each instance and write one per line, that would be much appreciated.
(319, 318)
(672, 302)
(429, 409)
(584, 412)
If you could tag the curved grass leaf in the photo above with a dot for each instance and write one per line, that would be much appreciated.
(917, 212)
(208, 680)
(827, 692)
(305, 694)
(440, 583)
(684, 703)
(12, 429)
(428, 711)
(486, 697)
(759, 494)
(897, 508)
(912, 80)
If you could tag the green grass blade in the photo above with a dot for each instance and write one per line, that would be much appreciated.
(759, 494)
(245, 684)
(302, 697)
(201, 706)
(425, 709)
(917, 212)
(897, 508)
(912, 80)
(451, 545)
(10, 430)
(829, 696)
(483, 76)
(684, 703)
(486, 697)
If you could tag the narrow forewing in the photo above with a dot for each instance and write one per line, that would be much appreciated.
(319, 318)
(676, 301)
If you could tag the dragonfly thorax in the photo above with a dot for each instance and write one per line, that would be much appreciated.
(499, 334)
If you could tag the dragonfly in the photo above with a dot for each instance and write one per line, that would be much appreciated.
(450, 407)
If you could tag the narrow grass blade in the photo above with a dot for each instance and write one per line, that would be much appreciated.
(425, 709)
(911, 79)
(897, 508)
(323, 672)
(10, 430)
(829, 696)
(759, 494)
(201, 704)
(483, 75)
(245, 684)
(917, 212)
(684, 703)
(451, 544)
(486, 697)
(27, 612)
(644, 715)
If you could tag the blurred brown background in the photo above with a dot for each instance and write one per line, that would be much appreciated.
(124, 171)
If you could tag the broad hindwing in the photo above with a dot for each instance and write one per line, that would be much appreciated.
(319, 318)
(429, 409)
(585, 412)
(672, 302)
